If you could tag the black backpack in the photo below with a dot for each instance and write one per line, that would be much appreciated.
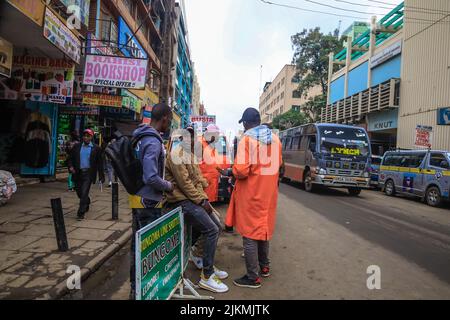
(123, 159)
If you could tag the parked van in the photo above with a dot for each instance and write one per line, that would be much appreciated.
(423, 173)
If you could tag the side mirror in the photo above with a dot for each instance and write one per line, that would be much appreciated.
(444, 164)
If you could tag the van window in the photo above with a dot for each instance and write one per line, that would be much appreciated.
(415, 160)
(304, 143)
(392, 160)
(438, 160)
(295, 143)
(288, 143)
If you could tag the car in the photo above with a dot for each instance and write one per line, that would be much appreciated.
(419, 173)
(374, 169)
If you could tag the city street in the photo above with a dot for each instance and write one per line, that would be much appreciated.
(322, 248)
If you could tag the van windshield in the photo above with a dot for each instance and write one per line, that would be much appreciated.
(344, 141)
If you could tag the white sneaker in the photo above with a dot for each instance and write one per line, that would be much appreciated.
(198, 262)
(222, 275)
(213, 284)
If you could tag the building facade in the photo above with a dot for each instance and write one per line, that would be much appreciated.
(183, 75)
(395, 79)
(49, 59)
(281, 95)
(196, 97)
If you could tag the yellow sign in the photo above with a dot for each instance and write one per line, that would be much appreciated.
(102, 100)
(32, 9)
(346, 151)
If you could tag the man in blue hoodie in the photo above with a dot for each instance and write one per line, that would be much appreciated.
(151, 153)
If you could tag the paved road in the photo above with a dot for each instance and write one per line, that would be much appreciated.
(324, 244)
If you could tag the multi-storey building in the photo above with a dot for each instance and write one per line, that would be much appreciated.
(281, 95)
(184, 81)
(394, 79)
(196, 97)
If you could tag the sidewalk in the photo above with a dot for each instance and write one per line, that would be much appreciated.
(31, 267)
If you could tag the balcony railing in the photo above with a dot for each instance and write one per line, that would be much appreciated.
(380, 97)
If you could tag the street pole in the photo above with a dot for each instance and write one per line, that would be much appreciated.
(115, 201)
(60, 228)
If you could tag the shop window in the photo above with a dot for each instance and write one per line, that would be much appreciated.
(296, 94)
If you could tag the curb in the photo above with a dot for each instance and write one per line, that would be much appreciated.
(61, 289)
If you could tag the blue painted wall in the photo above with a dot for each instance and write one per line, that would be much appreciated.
(357, 79)
(389, 69)
(337, 89)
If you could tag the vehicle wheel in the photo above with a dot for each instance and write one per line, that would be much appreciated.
(354, 191)
(389, 188)
(433, 197)
(309, 186)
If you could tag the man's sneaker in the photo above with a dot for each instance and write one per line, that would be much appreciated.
(243, 255)
(213, 284)
(198, 262)
(246, 282)
(80, 216)
(265, 272)
(222, 275)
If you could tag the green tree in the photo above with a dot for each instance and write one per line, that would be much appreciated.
(311, 52)
(290, 119)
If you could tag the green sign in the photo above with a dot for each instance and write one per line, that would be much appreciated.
(159, 257)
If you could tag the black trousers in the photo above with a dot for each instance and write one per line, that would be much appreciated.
(141, 218)
(83, 186)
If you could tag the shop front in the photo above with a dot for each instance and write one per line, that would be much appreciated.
(382, 128)
(36, 79)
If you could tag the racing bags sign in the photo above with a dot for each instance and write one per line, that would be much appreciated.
(115, 72)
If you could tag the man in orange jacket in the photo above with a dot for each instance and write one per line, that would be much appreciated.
(211, 160)
(253, 204)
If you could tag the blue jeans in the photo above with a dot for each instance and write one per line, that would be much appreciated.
(202, 222)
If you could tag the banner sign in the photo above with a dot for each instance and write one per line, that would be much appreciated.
(206, 120)
(6, 58)
(40, 79)
(79, 110)
(56, 31)
(128, 43)
(423, 136)
(386, 54)
(159, 257)
(116, 72)
(98, 99)
(384, 120)
(117, 113)
(443, 116)
(95, 46)
(130, 101)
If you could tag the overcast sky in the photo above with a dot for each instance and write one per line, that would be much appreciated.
(231, 39)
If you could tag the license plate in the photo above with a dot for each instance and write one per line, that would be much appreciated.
(343, 179)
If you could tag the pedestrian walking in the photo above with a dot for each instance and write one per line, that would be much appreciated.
(253, 204)
(183, 171)
(85, 163)
(150, 150)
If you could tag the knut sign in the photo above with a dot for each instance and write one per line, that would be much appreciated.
(115, 72)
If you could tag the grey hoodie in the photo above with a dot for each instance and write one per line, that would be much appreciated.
(150, 151)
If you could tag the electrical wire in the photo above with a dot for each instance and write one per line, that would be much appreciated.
(423, 30)
(310, 10)
(412, 7)
(407, 9)
(342, 9)
(316, 11)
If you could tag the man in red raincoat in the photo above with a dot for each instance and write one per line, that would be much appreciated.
(252, 209)
(212, 159)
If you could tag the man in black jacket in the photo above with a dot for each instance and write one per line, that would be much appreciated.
(85, 161)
